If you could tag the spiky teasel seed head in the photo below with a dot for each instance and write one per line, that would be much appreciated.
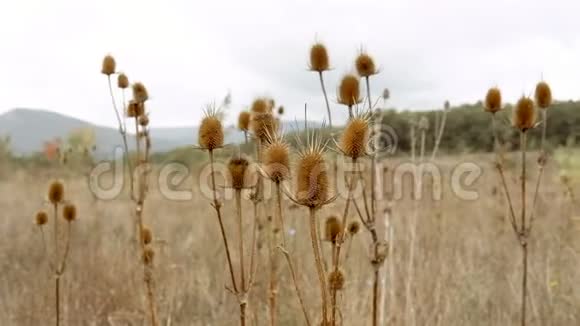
(211, 131)
(355, 137)
(277, 160)
(144, 120)
(349, 91)
(543, 95)
(332, 229)
(134, 109)
(493, 100)
(353, 228)
(312, 177)
(41, 218)
(238, 168)
(263, 125)
(423, 123)
(56, 192)
(280, 110)
(146, 235)
(148, 256)
(244, 121)
(140, 93)
(260, 105)
(319, 58)
(122, 81)
(69, 212)
(524, 116)
(336, 280)
(365, 65)
(109, 65)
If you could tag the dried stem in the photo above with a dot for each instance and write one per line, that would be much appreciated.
(439, 134)
(296, 287)
(325, 99)
(238, 194)
(319, 267)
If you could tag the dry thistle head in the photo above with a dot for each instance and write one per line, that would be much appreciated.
(144, 120)
(133, 109)
(332, 229)
(493, 100)
(543, 95)
(524, 116)
(277, 160)
(244, 121)
(56, 192)
(336, 280)
(122, 81)
(238, 167)
(312, 177)
(365, 65)
(69, 212)
(349, 91)
(146, 235)
(211, 131)
(353, 228)
(280, 110)
(260, 105)
(263, 125)
(355, 137)
(140, 93)
(148, 256)
(109, 65)
(41, 218)
(319, 58)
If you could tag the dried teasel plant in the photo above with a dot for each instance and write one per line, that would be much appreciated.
(244, 123)
(319, 63)
(349, 92)
(138, 170)
(61, 244)
(524, 119)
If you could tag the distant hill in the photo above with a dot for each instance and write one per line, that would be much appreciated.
(29, 129)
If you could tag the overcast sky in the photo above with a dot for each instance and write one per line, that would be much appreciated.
(189, 53)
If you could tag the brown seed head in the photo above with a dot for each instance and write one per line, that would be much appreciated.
(319, 58)
(281, 110)
(332, 229)
(56, 192)
(41, 218)
(349, 91)
(277, 161)
(312, 179)
(493, 100)
(69, 212)
(238, 168)
(108, 67)
(524, 116)
(140, 93)
(148, 256)
(146, 235)
(365, 65)
(353, 227)
(144, 120)
(244, 120)
(211, 132)
(122, 81)
(336, 280)
(260, 105)
(133, 109)
(263, 125)
(543, 95)
(355, 137)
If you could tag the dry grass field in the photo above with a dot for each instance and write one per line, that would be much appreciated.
(452, 262)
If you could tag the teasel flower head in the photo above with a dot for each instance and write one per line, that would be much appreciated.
(122, 81)
(238, 172)
(280, 110)
(543, 95)
(336, 279)
(277, 159)
(365, 65)
(56, 192)
(353, 228)
(211, 132)
(69, 212)
(349, 90)
(319, 58)
(260, 105)
(355, 138)
(493, 100)
(333, 229)
(108, 67)
(140, 93)
(312, 175)
(146, 235)
(524, 117)
(148, 256)
(263, 125)
(244, 121)
(41, 218)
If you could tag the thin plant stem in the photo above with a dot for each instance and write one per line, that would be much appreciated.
(217, 207)
(369, 93)
(57, 298)
(325, 99)
(122, 130)
(296, 287)
(523, 179)
(523, 233)
(319, 267)
(439, 135)
(238, 195)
